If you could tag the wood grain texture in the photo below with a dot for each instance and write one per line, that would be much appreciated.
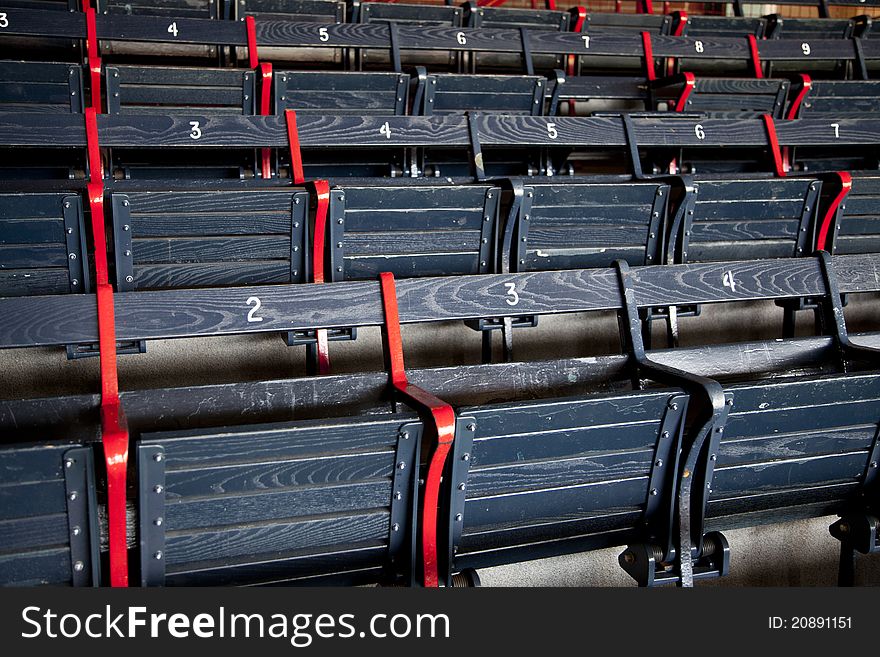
(788, 474)
(543, 475)
(218, 511)
(555, 505)
(221, 130)
(281, 568)
(276, 539)
(241, 478)
(33, 321)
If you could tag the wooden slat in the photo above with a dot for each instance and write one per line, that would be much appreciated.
(275, 539)
(555, 504)
(49, 566)
(20, 256)
(275, 506)
(66, 319)
(193, 275)
(209, 249)
(34, 282)
(540, 475)
(429, 243)
(246, 478)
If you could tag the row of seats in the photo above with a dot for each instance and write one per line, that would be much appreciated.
(394, 44)
(316, 482)
(469, 14)
(56, 87)
(209, 237)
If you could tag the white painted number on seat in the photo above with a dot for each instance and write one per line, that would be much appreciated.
(727, 281)
(252, 313)
(513, 295)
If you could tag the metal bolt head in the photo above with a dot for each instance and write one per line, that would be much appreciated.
(659, 463)
(873, 464)
(158, 488)
(719, 429)
(729, 402)
(458, 517)
(157, 555)
(653, 491)
(74, 282)
(713, 457)
(158, 521)
(398, 496)
(67, 204)
(129, 279)
(70, 231)
(339, 221)
(72, 496)
(127, 253)
(395, 527)
(673, 406)
(471, 427)
(339, 269)
(79, 566)
(76, 531)
(466, 457)
(665, 434)
(68, 463)
(401, 466)
(72, 256)
(126, 227)
(461, 487)
(157, 457)
(403, 434)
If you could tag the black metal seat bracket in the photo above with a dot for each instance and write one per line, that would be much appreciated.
(698, 449)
